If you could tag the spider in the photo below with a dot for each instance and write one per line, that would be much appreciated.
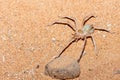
(80, 34)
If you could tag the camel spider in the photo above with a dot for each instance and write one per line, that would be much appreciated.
(84, 33)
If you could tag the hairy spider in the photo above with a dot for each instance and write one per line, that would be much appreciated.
(84, 33)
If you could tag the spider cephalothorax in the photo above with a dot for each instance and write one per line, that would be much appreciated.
(86, 31)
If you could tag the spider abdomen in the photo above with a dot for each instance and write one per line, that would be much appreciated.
(88, 29)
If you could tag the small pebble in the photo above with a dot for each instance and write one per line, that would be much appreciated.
(3, 59)
(53, 39)
(104, 36)
(109, 25)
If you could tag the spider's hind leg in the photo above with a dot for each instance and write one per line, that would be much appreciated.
(94, 44)
(83, 48)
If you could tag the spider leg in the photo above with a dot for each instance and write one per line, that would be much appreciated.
(72, 41)
(83, 48)
(72, 19)
(94, 44)
(63, 23)
(103, 30)
(87, 18)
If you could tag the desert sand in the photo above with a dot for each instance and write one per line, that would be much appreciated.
(27, 43)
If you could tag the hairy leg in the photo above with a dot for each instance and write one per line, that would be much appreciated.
(102, 30)
(70, 18)
(87, 18)
(83, 48)
(64, 23)
(94, 44)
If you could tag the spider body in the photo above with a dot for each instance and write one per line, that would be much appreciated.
(80, 34)
(86, 31)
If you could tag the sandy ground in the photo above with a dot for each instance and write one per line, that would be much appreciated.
(27, 43)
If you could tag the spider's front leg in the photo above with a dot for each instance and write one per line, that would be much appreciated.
(63, 23)
(73, 27)
(71, 19)
(87, 18)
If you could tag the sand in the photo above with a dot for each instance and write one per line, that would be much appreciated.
(27, 43)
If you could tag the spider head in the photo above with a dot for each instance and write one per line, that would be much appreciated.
(87, 29)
